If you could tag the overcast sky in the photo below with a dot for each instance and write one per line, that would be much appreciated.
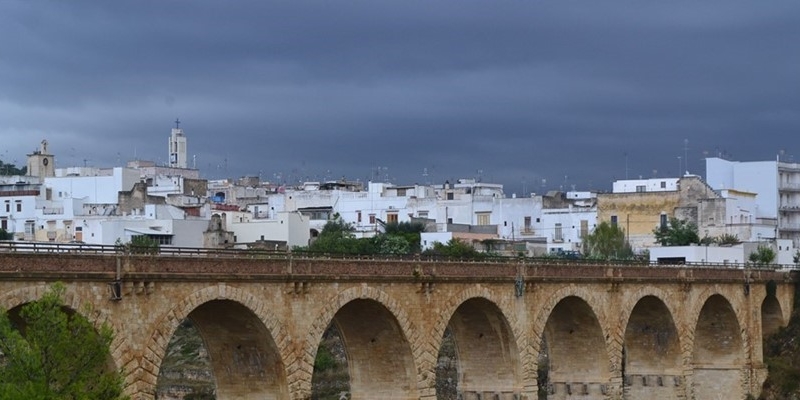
(532, 94)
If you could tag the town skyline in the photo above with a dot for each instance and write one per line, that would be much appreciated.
(527, 94)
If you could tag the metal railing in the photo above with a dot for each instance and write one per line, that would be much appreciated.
(170, 251)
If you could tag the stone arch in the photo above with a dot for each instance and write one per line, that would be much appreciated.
(719, 344)
(697, 304)
(586, 301)
(300, 377)
(771, 316)
(482, 300)
(652, 365)
(72, 300)
(165, 327)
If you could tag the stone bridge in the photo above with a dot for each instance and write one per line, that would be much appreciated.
(605, 331)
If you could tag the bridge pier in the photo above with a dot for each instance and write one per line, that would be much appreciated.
(611, 332)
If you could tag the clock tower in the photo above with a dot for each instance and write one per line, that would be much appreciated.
(41, 162)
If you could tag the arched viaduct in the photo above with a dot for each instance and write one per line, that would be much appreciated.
(604, 331)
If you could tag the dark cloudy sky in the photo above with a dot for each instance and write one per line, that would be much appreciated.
(516, 91)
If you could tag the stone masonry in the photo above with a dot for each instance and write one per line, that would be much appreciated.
(612, 331)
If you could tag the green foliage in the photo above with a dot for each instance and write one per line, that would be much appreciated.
(5, 235)
(139, 244)
(677, 233)
(763, 255)
(782, 356)
(796, 257)
(727, 239)
(11, 169)
(392, 245)
(337, 237)
(324, 360)
(607, 242)
(59, 355)
(410, 231)
(454, 249)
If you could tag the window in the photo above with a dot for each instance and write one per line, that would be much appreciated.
(8, 206)
(449, 220)
(372, 218)
(663, 184)
(358, 216)
(663, 221)
(19, 206)
(641, 188)
(401, 192)
(527, 224)
(614, 221)
(422, 214)
(391, 218)
(558, 235)
(584, 227)
(450, 196)
(3, 224)
(483, 218)
(30, 228)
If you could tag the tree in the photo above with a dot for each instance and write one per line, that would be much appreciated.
(410, 231)
(139, 244)
(11, 169)
(676, 233)
(454, 249)
(607, 242)
(764, 255)
(6, 235)
(55, 354)
(337, 238)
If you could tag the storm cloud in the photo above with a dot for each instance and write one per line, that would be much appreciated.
(532, 94)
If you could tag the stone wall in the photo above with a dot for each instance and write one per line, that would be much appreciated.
(263, 319)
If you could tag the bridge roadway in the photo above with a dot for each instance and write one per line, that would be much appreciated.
(606, 331)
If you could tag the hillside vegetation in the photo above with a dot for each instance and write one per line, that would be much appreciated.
(782, 356)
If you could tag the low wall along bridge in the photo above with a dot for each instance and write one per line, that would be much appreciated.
(605, 331)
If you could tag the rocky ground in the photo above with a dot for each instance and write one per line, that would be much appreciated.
(782, 356)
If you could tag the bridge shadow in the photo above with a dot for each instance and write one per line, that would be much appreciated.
(652, 362)
(478, 356)
(574, 349)
(244, 359)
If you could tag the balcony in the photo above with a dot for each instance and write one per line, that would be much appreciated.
(789, 187)
(789, 208)
(789, 227)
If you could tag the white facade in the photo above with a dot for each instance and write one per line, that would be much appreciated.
(565, 228)
(160, 222)
(699, 254)
(759, 177)
(177, 149)
(777, 188)
(18, 197)
(289, 227)
(645, 185)
(93, 185)
(737, 254)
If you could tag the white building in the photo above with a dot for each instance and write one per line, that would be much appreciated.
(645, 185)
(284, 229)
(738, 254)
(177, 147)
(18, 198)
(775, 183)
(566, 219)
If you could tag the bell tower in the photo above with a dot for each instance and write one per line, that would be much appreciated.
(41, 162)
(177, 147)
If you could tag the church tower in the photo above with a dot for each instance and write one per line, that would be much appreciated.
(177, 147)
(41, 162)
